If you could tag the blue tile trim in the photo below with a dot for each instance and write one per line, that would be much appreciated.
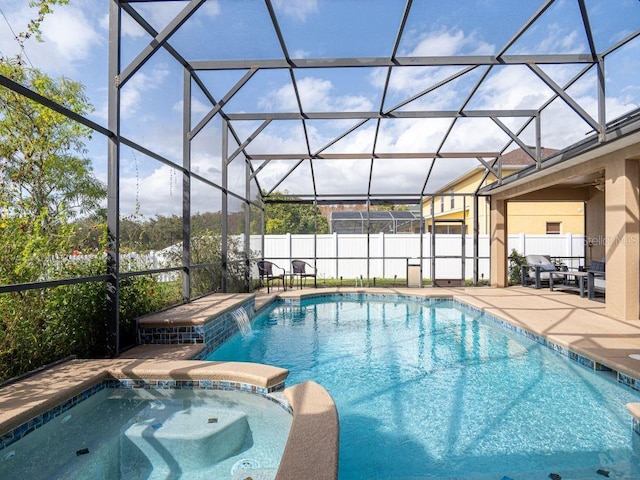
(20, 431)
(581, 359)
(215, 331)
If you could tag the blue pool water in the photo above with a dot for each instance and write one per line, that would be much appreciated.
(155, 434)
(437, 391)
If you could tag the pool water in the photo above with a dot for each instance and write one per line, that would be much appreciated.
(155, 434)
(434, 390)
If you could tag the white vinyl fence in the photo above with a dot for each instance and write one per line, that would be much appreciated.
(345, 255)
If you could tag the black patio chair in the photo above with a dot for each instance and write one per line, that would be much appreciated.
(299, 269)
(265, 272)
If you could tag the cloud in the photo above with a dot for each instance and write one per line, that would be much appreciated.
(554, 38)
(316, 94)
(298, 9)
(196, 107)
(70, 38)
(406, 82)
(160, 14)
(446, 41)
(131, 94)
(157, 193)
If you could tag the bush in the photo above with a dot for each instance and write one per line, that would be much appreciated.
(516, 260)
(41, 326)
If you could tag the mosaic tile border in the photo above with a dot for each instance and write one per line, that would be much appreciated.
(216, 330)
(361, 296)
(581, 359)
(42, 419)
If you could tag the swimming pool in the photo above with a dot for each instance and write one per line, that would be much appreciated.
(430, 389)
(137, 434)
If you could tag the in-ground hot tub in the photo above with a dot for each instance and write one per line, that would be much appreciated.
(155, 433)
(144, 419)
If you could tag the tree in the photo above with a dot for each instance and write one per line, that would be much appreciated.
(281, 218)
(44, 168)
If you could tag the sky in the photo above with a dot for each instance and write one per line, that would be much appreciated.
(76, 46)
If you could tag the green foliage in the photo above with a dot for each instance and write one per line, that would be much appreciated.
(43, 167)
(281, 218)
(516, 260)
(44, 8)
(45, 182)
(206, 261)
(44, 325)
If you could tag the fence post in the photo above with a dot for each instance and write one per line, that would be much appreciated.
(335, 245)
(522, 240)
(569, 249)
(382, 251)
(290, 244)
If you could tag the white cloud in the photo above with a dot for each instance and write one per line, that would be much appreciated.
(70, 37)
(315, 95)
(196, 107)
(408, 81)
(128, 27)
(558, 40)
(512, 87)
(298, 9)
(158, 192)
(447, 41)
(132, 92)
(160, 14)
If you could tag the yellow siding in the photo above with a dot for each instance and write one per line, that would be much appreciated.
(532, 217)
(522, 217)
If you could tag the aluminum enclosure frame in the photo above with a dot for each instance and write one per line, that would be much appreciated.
(119, 75)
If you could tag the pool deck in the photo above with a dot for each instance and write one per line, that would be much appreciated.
(563, 318)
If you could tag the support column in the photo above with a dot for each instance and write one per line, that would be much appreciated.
(499, 253)
(113, 182)
(622, 213)
(225, 204)
(247, 227)
(186, 187)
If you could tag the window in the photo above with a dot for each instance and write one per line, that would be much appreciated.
(441, 204)
(453, 200)
(553, 228)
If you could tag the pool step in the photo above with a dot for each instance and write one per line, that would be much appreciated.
(190, 439)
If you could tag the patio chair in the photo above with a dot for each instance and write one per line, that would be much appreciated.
(265, 272)
(538, 268)
(299, 269)
(596, 280)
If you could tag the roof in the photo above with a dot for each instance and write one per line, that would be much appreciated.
(513, 161)
(519, 157)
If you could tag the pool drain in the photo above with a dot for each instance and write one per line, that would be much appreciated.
(245, 463)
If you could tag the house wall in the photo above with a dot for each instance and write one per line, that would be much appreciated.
(532, 217)
(621, 212)
(524, 217)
